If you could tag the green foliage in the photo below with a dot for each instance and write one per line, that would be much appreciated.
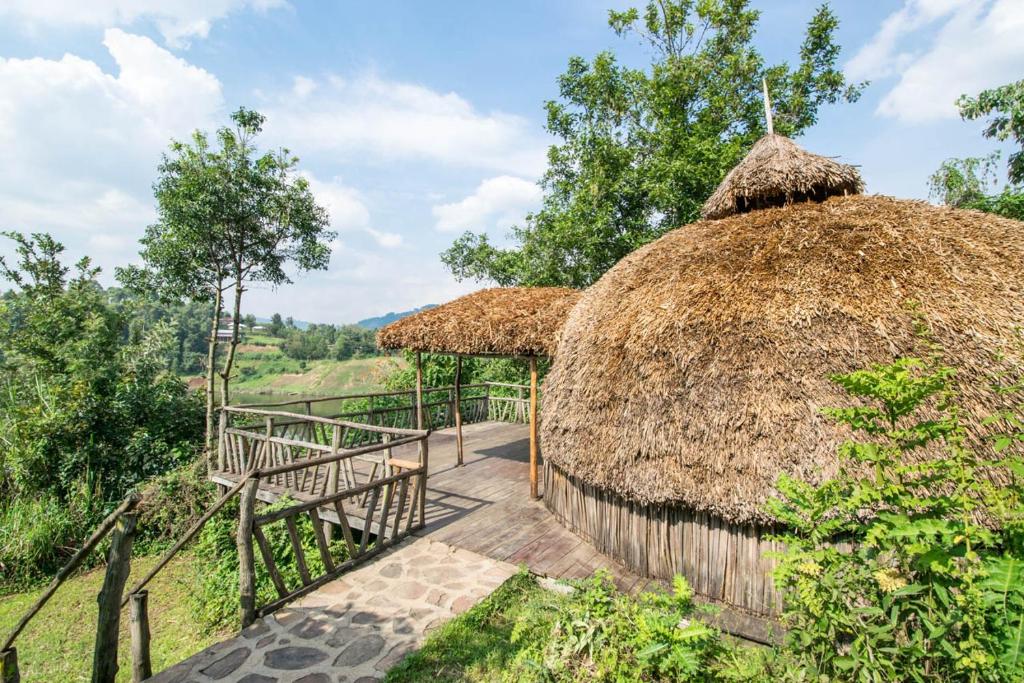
(641, 149)
(905, 566)
(523, 632)
(971, 183)
(173, 502)
(214, 603)
(603, 635)
(340, 342)
(86, 413)
(1005, 107)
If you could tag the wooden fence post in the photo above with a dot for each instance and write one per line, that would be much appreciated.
(424, 458)
(104, 662)
(138, 624)
(9, 666)
(246, 566)
(222, 441)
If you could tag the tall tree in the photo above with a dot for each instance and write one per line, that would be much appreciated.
(641, 149)
(227, 217)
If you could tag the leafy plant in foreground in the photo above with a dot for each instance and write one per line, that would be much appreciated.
(906, 565)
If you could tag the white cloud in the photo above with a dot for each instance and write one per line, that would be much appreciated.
(361, 284)
(348, 211)
(177, 20)
(395, 121)
(502, 200)
(303, 86)
(81, 146)
(976, 45)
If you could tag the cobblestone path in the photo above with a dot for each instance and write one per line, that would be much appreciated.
(355, 628)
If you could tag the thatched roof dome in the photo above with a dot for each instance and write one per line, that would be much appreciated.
(695, 369)
(503, 321)
(778, 172)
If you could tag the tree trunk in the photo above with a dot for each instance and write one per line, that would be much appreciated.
(211, 373)
(229, 361)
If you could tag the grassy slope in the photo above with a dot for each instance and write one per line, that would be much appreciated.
(263, 369)
(58, 643)
(477, 645)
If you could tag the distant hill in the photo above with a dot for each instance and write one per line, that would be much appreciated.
(381, 321)
(299, 324)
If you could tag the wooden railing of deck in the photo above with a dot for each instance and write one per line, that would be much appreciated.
(391, 507)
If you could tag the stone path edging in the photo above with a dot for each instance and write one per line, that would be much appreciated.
(355, 628)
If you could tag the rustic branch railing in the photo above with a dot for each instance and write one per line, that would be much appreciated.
(397, 409)
(122, 522)
(354, 484)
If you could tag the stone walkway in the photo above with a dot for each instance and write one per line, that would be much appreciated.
(355, 628)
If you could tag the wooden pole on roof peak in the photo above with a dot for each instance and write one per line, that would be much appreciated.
(767, 107)
(533, 426)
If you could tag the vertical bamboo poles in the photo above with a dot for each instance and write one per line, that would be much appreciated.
(533, 426)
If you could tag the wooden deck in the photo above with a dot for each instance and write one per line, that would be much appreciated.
(485, 506)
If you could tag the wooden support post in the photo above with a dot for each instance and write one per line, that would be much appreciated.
(424, 457)
(419, 390)
(222, 441)
(458, 410)
(104, 661)
(533, 426)
(246, 561)
(138, 624)
(9, 666)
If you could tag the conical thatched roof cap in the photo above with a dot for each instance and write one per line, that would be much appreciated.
(502, 321)
(778, 172)
(694, 371)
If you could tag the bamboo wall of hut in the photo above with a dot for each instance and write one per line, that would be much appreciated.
(723, 562)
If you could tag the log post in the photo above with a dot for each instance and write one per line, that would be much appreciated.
(533, 426)
(246, 566)
(9, 666)
(423, 491)
(128, 504)
(104, 661)
(221, 441)
(138, 624)
(458, 409)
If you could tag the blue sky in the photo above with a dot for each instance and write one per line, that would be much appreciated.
(414, 121)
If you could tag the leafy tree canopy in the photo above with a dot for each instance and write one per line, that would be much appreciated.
(1005, 107)
(641, 149)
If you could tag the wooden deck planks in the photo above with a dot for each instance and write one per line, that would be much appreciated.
(485, 507)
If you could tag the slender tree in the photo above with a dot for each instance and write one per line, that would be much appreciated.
(228, 217)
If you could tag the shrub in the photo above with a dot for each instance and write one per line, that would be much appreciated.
(927, 585)
(603, 635)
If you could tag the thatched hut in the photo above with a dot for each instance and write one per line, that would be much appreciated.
(693, 373)
(778, 172)
(502, 321)
(515, 322)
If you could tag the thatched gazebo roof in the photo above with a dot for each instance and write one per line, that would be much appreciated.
(778, 172)
(503, 321)
(694, 371)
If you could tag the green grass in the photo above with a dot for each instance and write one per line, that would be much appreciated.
(57, 644)
(483, 643)
(275, 373)
(261, 339)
